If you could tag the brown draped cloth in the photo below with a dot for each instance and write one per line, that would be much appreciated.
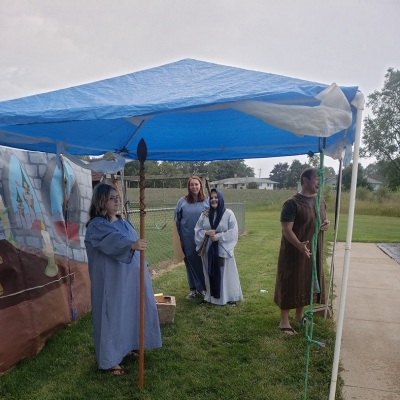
(294, 276)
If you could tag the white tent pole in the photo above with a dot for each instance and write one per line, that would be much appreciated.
(345, 276)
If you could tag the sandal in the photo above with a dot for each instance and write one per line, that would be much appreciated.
(118, 370)
(288, 331)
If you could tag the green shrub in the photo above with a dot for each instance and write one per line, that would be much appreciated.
(362, 193)
(382, 193)
(252, 185)
(328, 193)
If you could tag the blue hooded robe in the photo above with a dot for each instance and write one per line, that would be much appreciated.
(114, 270)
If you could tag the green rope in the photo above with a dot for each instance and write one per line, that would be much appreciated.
(308, 319)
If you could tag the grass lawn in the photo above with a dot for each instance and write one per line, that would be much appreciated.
(209, 352)
(370, 229)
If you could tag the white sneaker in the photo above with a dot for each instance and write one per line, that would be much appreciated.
(191, 295)
(203, 293)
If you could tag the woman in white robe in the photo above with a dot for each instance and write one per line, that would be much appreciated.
(219, 226)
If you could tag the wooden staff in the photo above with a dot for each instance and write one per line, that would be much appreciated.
(142, 155)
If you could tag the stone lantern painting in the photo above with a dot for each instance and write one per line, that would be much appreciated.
(27, 216)
(58, 183)
(64, 201)
(21, 211)
(23, 197)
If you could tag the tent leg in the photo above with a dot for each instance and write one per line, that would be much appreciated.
(142, 155)
(343, 292)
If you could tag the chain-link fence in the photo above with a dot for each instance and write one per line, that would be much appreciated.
(159, 225)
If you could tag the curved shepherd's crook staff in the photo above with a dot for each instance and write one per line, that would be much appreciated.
(142, 155)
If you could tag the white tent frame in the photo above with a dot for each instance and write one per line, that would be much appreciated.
(346, 263)
(263, 112)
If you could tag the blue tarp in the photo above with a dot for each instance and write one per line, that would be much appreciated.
(185, 111)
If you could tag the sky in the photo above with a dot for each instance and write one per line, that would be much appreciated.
(52, 44)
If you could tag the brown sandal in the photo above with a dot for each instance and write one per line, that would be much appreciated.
(117, 371)
(288, 331)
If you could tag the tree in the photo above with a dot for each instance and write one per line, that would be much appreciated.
(252, 185)
(228, 169)
(389, 173)
(314, 161)
(361, 178)
(216, 170)
(132, 168)
(375, 171)
(279, 173)
(329, 172)
(194, 167)
(381, 136)
(168, 168)
(293, 176)
(109, 156)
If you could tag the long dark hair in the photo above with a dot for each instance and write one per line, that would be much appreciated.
(101, 194)
(189, 197)
(215, 215)
(214, 271)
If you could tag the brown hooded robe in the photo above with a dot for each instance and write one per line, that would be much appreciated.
(294, 276)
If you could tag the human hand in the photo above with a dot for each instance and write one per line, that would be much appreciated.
(303, 248)
(214, 237)
(210, 232)
(140, 245)
(325, 225)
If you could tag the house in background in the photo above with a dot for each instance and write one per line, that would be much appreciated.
(241, 183)
(374, 183)
(332, 181)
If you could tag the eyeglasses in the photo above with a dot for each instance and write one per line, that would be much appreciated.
(113, 198)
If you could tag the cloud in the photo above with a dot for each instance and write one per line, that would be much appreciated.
(54, 44)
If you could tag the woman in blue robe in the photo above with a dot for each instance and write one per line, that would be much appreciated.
(113, 246)
(187, 212)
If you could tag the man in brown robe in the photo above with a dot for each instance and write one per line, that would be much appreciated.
(294, 276)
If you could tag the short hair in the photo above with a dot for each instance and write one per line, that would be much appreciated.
(308, 173)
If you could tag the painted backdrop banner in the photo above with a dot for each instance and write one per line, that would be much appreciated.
(44, 282)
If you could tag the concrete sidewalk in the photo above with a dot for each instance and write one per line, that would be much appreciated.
(370, 350)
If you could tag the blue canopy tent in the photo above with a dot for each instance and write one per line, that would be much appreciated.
(186, 111)
(192, 110)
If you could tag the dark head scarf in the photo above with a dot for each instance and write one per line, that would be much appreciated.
(214, 272)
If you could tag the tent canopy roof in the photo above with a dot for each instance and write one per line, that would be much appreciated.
(185, 111)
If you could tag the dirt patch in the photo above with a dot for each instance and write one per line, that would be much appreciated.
(163, 267)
